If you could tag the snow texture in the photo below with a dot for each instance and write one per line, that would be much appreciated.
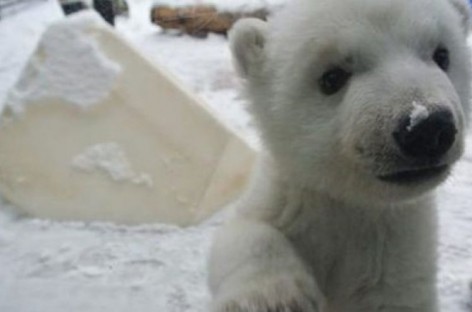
(19, 35)
(68, 65)
(111, 159)
(93, 267)
(417, 115)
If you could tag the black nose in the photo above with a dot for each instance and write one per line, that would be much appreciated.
(429, 138)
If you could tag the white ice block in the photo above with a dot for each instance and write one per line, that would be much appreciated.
(94, 131)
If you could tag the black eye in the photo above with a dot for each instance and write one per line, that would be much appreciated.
(333, 80)
(441, 57)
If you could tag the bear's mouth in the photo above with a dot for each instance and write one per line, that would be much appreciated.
(414, 175)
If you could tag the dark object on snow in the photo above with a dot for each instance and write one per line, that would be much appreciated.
(121, 8)
(106, 9)
(199, 20)
(69, 7)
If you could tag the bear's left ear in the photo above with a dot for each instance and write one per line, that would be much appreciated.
(463, 7)
(247, 40)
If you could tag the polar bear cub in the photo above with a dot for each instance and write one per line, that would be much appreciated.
(361, 106)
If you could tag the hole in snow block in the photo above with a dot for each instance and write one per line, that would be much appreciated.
(93, 131)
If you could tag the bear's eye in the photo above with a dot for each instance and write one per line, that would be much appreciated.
(333, 80)
(441, 57)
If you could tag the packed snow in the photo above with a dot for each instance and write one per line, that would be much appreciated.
(111, 159)
(70, 65)
(73, 266)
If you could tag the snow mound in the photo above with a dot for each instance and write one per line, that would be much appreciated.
(69, 65)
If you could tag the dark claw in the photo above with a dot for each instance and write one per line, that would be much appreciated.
(280, 307)
(291, 307)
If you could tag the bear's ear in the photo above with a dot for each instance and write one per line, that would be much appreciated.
(463, 7)
(247, 41)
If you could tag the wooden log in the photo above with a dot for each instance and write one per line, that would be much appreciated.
(199, 20)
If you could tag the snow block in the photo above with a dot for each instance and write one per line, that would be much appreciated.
(94, 131)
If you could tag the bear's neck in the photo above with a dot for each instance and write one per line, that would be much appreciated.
(279, 201)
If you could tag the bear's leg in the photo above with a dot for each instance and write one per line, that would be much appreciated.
(254, 268)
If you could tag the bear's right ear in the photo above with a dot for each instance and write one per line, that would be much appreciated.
(247, 40)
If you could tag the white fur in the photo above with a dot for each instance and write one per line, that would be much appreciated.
(318, 231)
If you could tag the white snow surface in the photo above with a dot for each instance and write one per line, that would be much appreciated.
(19, 35)
(87, 267)
(111, 159)
(69, 65)
(418, 114)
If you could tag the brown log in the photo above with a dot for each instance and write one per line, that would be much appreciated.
(199, 20)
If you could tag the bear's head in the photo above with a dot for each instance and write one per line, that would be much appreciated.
(365, 100)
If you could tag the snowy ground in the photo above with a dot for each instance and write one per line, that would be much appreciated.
(56, 266)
